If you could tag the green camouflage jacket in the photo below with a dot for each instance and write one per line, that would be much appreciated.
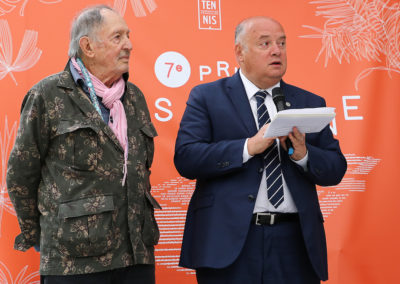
(64, 178)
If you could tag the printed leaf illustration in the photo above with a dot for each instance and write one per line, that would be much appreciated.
(359, 29)
(6, 6)
(138, 9)
(6, 277)
(28, 54)
(6, 142)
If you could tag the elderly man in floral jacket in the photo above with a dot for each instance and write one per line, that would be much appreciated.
(78, 175)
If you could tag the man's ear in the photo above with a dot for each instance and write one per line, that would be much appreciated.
(239, 52)
(86, 46)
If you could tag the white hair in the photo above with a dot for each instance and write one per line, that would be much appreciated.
(85, 24)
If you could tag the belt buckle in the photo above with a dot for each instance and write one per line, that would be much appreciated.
(271, 220)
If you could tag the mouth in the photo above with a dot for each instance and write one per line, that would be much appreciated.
(276, 63)
(124, 56)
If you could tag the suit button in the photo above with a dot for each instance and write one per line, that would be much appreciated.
(260, 170)
(251, 197)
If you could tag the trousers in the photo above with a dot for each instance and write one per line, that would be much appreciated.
(271, 255)
(137, 274)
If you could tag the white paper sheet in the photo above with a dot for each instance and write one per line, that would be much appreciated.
(307, 120)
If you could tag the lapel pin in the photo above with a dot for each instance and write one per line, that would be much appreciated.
(288, 104)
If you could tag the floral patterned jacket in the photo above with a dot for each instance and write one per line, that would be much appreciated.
(64, 178)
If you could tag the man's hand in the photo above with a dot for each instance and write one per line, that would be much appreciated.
(258, 144)
(299, 144)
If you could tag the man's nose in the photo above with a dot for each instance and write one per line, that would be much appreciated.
(128, 44)
(276, 49)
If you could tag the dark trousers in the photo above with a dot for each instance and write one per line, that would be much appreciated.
(271, 255)
(137, 274)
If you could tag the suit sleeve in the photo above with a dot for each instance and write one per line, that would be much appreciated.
(198, 155)
(326, 163)
(24, 169)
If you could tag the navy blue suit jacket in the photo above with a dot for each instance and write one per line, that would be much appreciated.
(209, 148)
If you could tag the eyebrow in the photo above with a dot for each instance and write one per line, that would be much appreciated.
(268, 36)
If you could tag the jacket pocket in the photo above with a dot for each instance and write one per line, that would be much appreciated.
(149, 132)
(79, 141)
(86, 226)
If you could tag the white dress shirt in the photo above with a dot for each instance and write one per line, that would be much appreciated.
(262, 202)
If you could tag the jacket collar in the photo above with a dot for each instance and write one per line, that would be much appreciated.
(83, 102)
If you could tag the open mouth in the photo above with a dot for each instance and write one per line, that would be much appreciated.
(276, 63)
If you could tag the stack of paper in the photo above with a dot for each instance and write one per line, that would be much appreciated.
(307, 120)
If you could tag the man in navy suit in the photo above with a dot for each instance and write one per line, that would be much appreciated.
(236, 230)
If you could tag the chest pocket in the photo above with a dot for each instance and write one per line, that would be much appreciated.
(79, 143)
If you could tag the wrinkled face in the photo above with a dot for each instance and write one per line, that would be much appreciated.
(112, 46)
(261, 52)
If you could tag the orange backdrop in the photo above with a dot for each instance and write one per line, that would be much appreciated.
(347, 51)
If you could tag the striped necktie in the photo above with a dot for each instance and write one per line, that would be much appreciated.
(271, 156)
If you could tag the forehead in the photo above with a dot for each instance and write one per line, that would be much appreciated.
(113, 22)
(264, 27)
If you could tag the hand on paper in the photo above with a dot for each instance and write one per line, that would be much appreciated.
(257, 144)
(299, 144)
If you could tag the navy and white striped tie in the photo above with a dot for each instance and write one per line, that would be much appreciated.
(271, 156)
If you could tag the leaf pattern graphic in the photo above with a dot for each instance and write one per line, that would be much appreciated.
(7, 6)
(6, 277)
(138, 8)
(6, 142)
(28, 54)
(362, 29)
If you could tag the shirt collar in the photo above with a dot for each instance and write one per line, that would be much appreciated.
(252, 89)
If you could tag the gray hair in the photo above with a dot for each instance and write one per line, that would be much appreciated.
(85, 24)
(239, 32)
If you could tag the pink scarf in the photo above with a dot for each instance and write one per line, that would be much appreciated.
(111, 99)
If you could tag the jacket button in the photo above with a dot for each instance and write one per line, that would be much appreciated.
(260, 170)
(251, 197)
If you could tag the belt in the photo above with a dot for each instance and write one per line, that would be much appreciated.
(264, 218)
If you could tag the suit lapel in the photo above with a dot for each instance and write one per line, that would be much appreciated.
(289, 96)
(238, 97)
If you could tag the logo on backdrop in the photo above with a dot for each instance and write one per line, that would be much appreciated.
(138, 8)
(368, 31)
(6, 6)
(172, 69)
(209, 14)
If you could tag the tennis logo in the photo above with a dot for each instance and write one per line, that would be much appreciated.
(209, 14)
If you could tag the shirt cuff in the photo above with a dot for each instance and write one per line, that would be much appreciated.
(246, 155)
(303, 162)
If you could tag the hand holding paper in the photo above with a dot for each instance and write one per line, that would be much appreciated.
(307, 120)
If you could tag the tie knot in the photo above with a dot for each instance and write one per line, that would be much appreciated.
(260, 97)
